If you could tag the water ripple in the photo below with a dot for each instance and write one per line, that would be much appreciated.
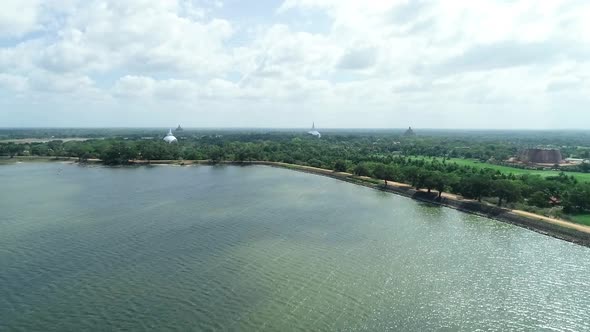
(168, 248)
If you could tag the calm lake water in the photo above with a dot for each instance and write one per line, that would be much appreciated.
(259, 248)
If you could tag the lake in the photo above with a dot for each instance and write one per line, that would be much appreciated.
(260, 248)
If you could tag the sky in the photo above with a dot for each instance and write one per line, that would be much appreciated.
(501, 64)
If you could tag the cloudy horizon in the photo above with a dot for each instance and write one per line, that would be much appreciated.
(497, 64)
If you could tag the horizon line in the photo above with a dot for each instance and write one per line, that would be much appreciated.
(294, 128)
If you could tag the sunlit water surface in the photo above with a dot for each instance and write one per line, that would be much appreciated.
(259, 248)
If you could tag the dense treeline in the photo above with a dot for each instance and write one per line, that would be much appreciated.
(476, 183)
(478, 144)
(382, 157)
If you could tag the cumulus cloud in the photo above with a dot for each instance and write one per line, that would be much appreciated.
(139, 35)
(14, 82)
(419, 61)
(409, 11)
(71, 85)
(508, 54)
(358, 58)
(134, 86)
(18, 17)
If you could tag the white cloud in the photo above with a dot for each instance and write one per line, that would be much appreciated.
(358, 58)
(419, 60)
(18, 17)
(134, 86)
(135, 35)
(144, 87)
(70, 85)
(14, 82)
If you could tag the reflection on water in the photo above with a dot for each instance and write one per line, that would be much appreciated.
(259, 248)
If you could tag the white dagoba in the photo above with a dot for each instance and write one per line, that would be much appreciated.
(314, 132)
(170, 138)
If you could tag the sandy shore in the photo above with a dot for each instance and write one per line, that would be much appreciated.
(564, 223)
(558, 228)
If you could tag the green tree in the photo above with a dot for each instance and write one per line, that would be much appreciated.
(314, 162)
(119, 153)
(505, 190)
(55, 148)
(152, 150)
(340, 166)
(361, 170)
(412, 174)
(393, 173)
(39, 149)
(216, 154)
(578, 199)
(428, 179)
(15, 149)
(539, 199)
(475, 186)
(81, 150)
(584, 167)
(380, 172)
(443, 181)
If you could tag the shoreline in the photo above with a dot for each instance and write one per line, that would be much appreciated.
(560, 229)
(563, 230)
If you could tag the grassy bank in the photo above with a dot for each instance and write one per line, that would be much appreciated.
(583, 219)
(584, 177)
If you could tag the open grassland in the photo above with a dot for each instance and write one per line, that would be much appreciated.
(583, 219)
(584, 177)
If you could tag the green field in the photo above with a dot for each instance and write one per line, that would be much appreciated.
(583, 219)
(584, 177)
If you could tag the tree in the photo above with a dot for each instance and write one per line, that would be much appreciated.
(315, 162)
(505, 190)
(340, 166)
(428, 179)
(361, 170)
(539, 199)
(39, 149)
(55, 148)
(443, 181)
(380, 172)
(119, 153)
(15, 149)
(241, 155)
(80, 150)
(412, 174)
(216, 154)
(584, 167)
(475, 186)
(393, 173)
(578, 199)
(152, 150)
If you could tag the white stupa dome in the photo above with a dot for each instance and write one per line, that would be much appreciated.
(314, 132)
(170, 138)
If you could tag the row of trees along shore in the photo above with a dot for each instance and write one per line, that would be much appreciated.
(362, 156)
